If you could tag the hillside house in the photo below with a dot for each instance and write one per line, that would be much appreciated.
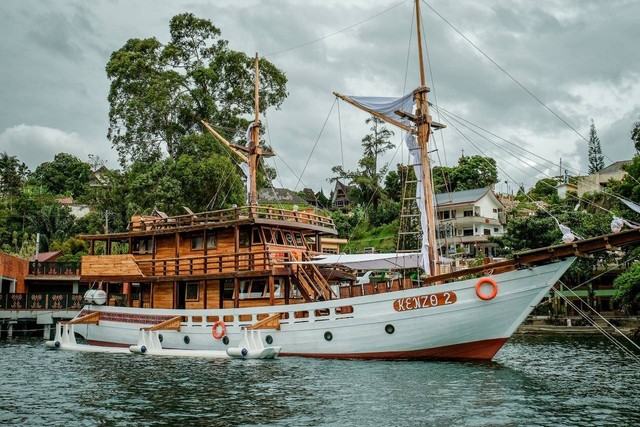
(466, 219)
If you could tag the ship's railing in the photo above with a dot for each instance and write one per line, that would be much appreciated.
(210, 264)
(296, 313)
(54, 268)
(228, 215)
(41, 301)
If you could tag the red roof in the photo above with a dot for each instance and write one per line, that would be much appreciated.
(47, 256)
(65, 201)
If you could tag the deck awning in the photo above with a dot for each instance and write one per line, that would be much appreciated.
(388, 261)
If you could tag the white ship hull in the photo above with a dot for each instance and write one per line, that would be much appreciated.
(409, 324)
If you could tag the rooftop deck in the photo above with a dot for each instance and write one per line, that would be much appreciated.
(225, 217)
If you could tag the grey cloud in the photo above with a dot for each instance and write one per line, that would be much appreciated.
(56, 76)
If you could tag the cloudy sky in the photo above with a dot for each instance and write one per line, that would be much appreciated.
(579, 58)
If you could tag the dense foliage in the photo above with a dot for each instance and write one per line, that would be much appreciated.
(366, 180)
(160, 93)
(471, 172)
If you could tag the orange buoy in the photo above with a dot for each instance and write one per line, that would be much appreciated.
(494, 287)
(219, 329)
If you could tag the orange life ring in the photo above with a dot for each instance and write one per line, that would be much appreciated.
(223, 329)
(493, 284)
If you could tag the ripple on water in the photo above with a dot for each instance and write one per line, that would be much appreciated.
(550, 380)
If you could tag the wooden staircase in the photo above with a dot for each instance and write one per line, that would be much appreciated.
(311, 283)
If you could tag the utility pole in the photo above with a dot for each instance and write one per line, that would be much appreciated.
(106, 222)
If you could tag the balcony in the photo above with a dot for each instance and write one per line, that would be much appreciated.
(55, 269)
(470, 220)
(41, 301)
(464, 239)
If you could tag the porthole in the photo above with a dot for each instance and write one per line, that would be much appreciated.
(389, 329)
(328, 336)
(160, 337)
(187, 340)
(225, 340)
(269, 339)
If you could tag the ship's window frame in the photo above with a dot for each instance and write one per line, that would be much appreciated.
(228, 289)
(192, 292)
(142, 245)
(254, 289)
(256, 237)
(279, 238)
(244, 238)
(212, 241)
(297, 236)
(197, 242)
(268, 235)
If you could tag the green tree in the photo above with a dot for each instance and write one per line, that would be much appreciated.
(393, 184)
(545, 189)
(368, 177)
(471, 172)
(209, 183)
(160, 93)
(628, 289)
(323, 201)
(13, 174)
(526, 233)
(635, 136)
(596, 158)
(72, 249)
(377, 142)
(65, 175)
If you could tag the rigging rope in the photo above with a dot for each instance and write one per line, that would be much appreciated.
(463, 122)
(610, 337)
(504, 71)
(599, 328)
(336, 32)
(316, 144)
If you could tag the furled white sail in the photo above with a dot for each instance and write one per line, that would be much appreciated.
(392, 261)
(245, 170)
(388, 107)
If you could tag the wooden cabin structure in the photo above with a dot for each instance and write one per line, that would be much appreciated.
(240, 257)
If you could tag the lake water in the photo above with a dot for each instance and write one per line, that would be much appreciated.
(534, 380)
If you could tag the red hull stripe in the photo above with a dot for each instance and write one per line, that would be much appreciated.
(478, 350)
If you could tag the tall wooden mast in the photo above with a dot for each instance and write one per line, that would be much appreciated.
(254, 148)
(424, 131)
(423, 126)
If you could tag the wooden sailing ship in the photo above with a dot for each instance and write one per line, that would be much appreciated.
(201, 280)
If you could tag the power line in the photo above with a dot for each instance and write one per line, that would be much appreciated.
(336, 32)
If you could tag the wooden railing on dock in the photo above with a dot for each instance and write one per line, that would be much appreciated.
(54, 268)
(230, 215)
(41, 301)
